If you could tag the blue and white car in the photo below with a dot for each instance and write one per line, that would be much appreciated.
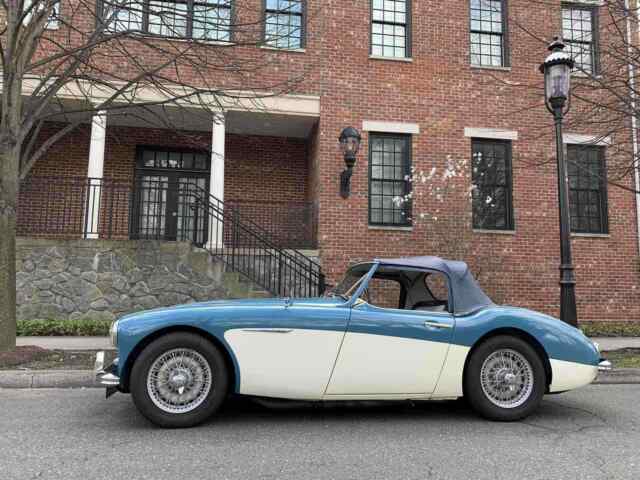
(405, 329)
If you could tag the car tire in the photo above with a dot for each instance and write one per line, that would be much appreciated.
(505, 379)
(179, 380)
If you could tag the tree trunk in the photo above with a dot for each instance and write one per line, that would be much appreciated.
(8, 194)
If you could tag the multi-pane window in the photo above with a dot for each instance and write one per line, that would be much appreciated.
(492, 197)
(168, 19)
(201, 20)
(488, 33)
(587, 189)
(284, 23)
(53, 21)
(212, 20)
(579, 32)
(389, 186)
(390, 32)
(125, 15)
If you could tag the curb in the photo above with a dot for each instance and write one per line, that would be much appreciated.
(86, 378)
(619, 376)
(48, 379)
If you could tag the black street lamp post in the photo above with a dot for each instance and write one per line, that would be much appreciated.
(557, 79)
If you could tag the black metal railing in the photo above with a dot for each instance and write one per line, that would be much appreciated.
(251, 249)
(74, 207)
(257, 240)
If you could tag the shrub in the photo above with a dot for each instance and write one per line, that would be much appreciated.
(58, 328)
(611, 329)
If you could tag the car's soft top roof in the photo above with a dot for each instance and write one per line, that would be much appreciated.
(467, 294)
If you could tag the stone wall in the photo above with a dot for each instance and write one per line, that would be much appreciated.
(98, 279)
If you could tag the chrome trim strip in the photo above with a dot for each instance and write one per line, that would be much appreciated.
(268, 330)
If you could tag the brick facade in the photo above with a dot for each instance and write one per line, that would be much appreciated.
(443, 94)
(440, 92)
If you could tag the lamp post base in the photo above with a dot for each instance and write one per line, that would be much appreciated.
(568, 311)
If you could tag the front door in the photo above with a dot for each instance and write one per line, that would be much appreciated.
(396, 343)
(288, 352)
(166, 186)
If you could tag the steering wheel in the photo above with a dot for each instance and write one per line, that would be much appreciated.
(430, 303)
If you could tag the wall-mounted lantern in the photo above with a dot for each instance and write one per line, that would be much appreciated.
(350, 144)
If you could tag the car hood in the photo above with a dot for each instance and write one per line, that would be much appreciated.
(239, 304)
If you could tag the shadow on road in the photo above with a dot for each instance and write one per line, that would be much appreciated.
(554, 413)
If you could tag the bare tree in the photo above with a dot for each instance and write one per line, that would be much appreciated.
(450, 202)
(604, 97)
(66, 62)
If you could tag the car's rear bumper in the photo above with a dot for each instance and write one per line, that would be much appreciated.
(107, 375)
(605, 365)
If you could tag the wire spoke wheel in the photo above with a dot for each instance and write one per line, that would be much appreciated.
(179, 380)
(507, 378)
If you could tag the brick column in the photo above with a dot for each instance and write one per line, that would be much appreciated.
(216, 183)
(95, 174)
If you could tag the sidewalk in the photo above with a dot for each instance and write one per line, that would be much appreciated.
(617, 343)
(66, 343)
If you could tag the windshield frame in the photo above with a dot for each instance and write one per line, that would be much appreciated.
(355, 291)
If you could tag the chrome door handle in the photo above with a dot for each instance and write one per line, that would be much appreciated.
(434, 324)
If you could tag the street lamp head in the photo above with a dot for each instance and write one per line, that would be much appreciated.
(350, 143)
(557, 75)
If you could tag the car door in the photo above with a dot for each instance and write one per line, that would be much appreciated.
(391, 352)
(291, 354)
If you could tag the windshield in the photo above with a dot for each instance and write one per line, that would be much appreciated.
(351, 281)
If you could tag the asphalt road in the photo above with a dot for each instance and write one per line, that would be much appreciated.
(592, 433)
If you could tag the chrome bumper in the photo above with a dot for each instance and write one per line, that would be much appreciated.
(605, 365)
(107, 376)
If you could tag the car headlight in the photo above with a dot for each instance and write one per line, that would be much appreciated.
(113, 334)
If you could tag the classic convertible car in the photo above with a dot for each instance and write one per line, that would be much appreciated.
(405, 329)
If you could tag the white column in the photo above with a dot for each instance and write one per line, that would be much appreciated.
(216, 183)
(95, 173)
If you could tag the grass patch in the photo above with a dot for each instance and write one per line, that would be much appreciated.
(611, 329)
(62, 328)
(625, 358)
(36, 358)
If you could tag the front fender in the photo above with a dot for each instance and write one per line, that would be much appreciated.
(136, 330)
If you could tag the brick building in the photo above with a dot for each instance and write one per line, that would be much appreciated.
(423, 81)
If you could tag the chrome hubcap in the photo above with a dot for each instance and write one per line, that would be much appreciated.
(507, 378)
(179, 380)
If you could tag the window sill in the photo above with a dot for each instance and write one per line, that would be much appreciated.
(590, 235)
(495, 232)
(391, 228)
(391, 59)
(489, 67)
(149, 36)
(286, 50)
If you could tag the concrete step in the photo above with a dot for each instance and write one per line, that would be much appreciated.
(260, 294)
